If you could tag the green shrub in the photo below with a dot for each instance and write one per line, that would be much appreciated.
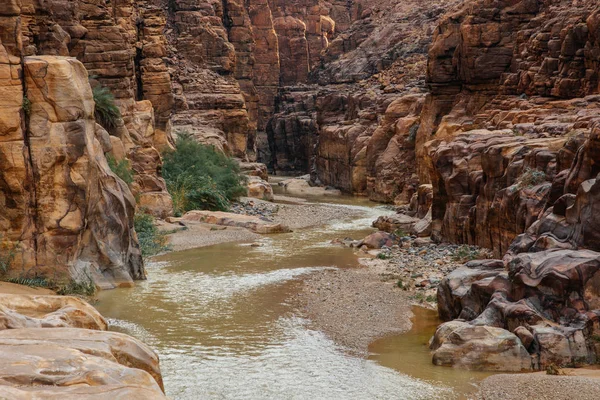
(531, 177)
(201, 178)
(384, 256)
(466, 253)
(32, 282)
(26, 106)
(8, 251)
(400, 233)
(120, 168)
(400, 284)
(84, 288)
(106, 112)
(412, 133)
(151, 240)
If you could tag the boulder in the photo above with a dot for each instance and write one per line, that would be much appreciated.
(462, 345)
(259, 189)
(378, 240)
(77, 392)
(112, 346)
(52, 365)
(455, 297)
(394, 223)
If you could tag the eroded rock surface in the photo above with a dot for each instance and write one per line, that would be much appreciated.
(66, 215)
(56, 346)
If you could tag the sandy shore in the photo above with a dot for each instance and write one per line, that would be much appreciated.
(354, 307)
(579, 384)
(12, 288)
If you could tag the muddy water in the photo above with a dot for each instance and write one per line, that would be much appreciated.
(405, 353)
(220, 320)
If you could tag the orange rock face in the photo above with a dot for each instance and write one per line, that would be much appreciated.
(122, 48)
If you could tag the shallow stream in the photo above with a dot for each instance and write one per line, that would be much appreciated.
(221, 321)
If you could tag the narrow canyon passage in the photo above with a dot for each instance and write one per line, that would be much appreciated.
(222, 321)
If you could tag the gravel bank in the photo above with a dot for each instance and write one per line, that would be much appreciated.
(541, 386)
(354, 307)
(298, 216)
(357, 306)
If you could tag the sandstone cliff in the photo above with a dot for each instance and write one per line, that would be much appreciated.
(354, 127)
(65, 215)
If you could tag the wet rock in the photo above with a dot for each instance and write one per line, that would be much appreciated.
(252, 223)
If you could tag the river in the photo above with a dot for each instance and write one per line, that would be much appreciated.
(222, 323)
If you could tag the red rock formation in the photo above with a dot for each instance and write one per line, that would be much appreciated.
(508, 159)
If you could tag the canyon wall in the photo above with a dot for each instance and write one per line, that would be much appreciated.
(513, 96)
(354, 125)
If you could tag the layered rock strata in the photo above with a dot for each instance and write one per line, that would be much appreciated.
(357, 129)
(122, 48)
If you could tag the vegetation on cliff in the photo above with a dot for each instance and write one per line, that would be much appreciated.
(201, 178)
(106, 112)
(121, 168)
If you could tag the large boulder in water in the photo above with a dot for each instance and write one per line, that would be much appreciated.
(378, 240)
(465, 292)
(460, 344)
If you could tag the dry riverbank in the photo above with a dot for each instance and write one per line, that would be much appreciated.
(580, 384)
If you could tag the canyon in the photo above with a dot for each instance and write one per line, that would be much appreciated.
(478, 120)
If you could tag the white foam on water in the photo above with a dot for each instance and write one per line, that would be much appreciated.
(303, 364)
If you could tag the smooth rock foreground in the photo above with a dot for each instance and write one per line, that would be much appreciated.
(51, 356)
